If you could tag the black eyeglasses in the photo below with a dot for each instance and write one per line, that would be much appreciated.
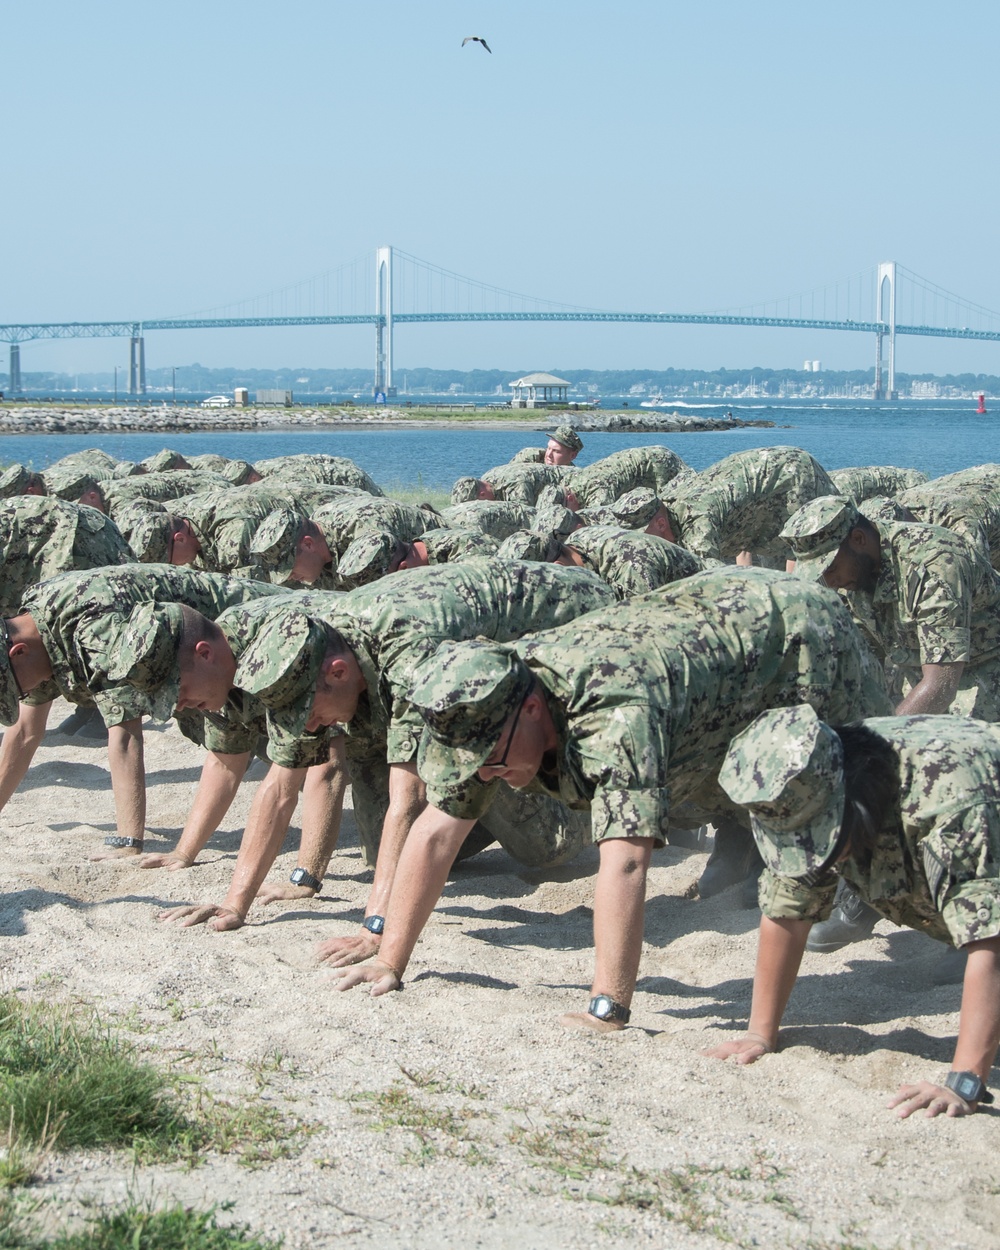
(502, 761)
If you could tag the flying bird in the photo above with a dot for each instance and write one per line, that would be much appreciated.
(477, 39)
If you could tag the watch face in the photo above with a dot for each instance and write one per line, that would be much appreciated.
(601, 1007)
(966, 1087)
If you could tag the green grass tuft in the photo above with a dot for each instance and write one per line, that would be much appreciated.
(134, 1227)
(70, 1082)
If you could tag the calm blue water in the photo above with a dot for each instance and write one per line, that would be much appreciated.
(937, 437)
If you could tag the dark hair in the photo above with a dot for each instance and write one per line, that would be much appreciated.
(866, 524)
(871, 782)
(196, 628)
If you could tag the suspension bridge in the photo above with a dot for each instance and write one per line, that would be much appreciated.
(409, 290)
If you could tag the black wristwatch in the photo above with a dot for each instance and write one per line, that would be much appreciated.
(374, 924)
(968, 1086)
(604, 1008)
(301, 877)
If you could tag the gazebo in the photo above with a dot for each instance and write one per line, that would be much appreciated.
(538, 390)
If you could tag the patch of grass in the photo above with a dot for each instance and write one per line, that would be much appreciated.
(439, 1129)
(69, 1082)
(572, 1150)
(135, 1227)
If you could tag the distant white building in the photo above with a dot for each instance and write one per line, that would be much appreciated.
(538, 390)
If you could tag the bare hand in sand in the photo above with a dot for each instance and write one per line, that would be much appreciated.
(283, 893)
(746, 1049)
(219, 918)
(165, 859)
(583, 1022)
(339, 952)
(118, 852)
(383, 979)
(937, 1100)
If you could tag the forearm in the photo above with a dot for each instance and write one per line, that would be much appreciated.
(407, 799)
(932, 695)
(20, 742)
(128, 778)
(979, 1023)
(220, 779)
(779, 954)
(619, 911)
(322, 808)
(273, 806)
(423, 869)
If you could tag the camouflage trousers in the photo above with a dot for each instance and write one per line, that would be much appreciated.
(536, 830)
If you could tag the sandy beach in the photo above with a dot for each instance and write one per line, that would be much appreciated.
(458, 1113)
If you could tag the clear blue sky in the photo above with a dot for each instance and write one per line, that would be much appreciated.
(161, 159)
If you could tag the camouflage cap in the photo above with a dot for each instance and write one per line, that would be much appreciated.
(787, 770)
(10, 693)
(636, 508)
(368, 558)
(165, 461)
(127, 468)
(237, 471)
(465, 490)
(280, 667)
(530, 545)
(882, 508)
(151, 536)
(465, 692)
(555, 519)
(276, 540)
(568, 437)
(144, 652)
(69, 482)
(17, 479)
(816, 531)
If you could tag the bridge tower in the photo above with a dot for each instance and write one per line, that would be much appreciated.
(137, 365)
(383, 327)
(885, 313)
(14, 374)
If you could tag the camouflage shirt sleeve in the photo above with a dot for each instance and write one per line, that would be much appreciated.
(781, 898)
(624, 756)
(961, 861)
(939, 603)
(465, 802)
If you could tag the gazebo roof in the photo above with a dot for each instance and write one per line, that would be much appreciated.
(540, 379)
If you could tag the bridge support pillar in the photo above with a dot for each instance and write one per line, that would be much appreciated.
(383, 327)
(885, 313)
(14, 373)
(137, 365)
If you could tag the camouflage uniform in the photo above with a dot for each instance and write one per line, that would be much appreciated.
(936, 600)
(645, 696)
(976, 516)
(631, 563)
(391, 627)
(742, 502)
(17, 479)
(316, 467)
(235, 471)
(159, 487)
(93, 460)
(79, 616)
(859, 484)
(934, 866)
(523, 483)
(528, 455)
(497, 519)
(606, 480)
(40, 537)
(981, 479)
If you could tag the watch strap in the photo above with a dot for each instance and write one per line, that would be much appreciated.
(602, 1007)
(968, 1086)
(118, 841)
(301, 877)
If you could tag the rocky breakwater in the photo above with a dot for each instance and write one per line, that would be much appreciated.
(665, 423)
(72, 419)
